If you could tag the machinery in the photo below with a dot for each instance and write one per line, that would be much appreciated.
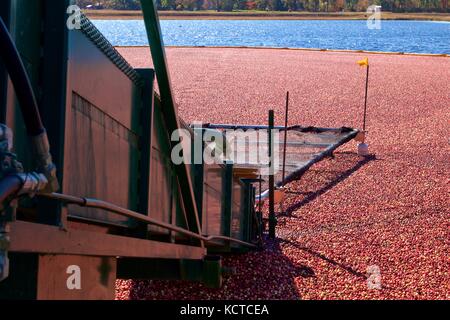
(94, 196)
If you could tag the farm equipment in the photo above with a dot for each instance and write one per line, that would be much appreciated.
(94, 196)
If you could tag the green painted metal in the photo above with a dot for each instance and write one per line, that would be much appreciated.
(169, 109)
(212, 272)
(272, 218)
(246, 210)
(234, 198)
(91, 32)
(103, 122)
(145, 119)
(242, 222)
(227, 199)
(53, 100)
(161, 202)
(35, 27)
(198, 177)
(198, 174)
(166, 202)
(23, 280)
(251, 214)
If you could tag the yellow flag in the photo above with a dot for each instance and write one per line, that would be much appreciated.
(363, 62)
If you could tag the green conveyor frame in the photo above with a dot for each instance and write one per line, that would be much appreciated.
(169, 109)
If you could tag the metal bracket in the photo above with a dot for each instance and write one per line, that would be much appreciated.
(212, 272)
(32, 183)
(41, 151)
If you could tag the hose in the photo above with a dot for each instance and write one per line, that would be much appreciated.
(24, 91)
(10, 185)
(99, 204)
(29, 107)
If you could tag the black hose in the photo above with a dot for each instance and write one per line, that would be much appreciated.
(21, 82)
(9, 186)
(103, 205)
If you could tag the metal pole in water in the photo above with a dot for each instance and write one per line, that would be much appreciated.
(285, 135)
(272, 219)
(260, 213)
(260, 191)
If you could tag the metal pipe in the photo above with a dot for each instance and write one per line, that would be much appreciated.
(265, 127)
(365, 99)
(272, 219)
(260, 190)
(218, 238)
(169, 109)
(294, 144)
(99, 204)
(285, 134)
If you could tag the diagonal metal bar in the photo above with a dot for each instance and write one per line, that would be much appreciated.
(319, 157)
(169, 110)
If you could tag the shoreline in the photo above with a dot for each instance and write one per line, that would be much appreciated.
(442, 55)
(261, 15)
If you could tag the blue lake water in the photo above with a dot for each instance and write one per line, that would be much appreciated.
(397, 36)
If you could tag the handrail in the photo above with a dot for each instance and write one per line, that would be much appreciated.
(99, 204)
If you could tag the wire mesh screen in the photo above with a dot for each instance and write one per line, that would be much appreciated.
(248, 148)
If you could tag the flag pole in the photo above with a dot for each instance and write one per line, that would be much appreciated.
(363, 148)
(365, 99)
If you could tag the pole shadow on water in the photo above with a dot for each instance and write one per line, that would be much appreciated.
(345, 164)
(331, 261)
(338, 175)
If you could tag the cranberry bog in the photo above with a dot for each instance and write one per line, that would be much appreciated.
(352, 227)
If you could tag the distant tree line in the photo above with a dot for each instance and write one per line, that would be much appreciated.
(279, 5)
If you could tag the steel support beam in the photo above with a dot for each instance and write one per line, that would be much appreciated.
(146, 142)
(52, 106)
(272, 218)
